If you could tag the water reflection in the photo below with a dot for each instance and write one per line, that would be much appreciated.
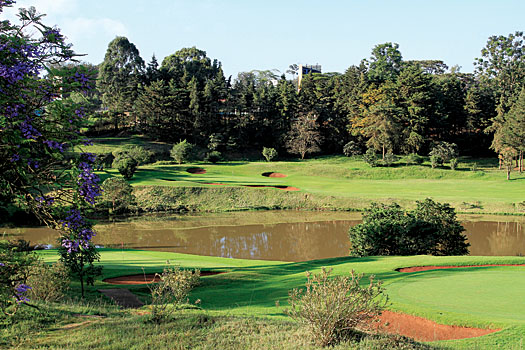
(299, 236)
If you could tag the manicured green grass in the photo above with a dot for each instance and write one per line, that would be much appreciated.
(338, 182)
(482, 297)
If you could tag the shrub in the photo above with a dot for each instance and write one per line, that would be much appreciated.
(413, 159)
(173, 288)
(15, 264)
(370, 157)
(352, 149)
(454, 163)
(474, 167)
(104, 160)
(126, 167)
(333, 307)
(182, 152)
(140, 154)
(389, 159)
(214, 157)
(49, 283)
(269, 153)
(435, 161)
(117, 194)
(444, 150)
(432, 228)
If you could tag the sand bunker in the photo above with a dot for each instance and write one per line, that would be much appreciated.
(426, 268)
(270, 174)
(196, 171)
(147, 278)
(284, 188)
(421, 329)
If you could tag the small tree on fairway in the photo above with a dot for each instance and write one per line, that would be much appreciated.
(117, 193)
(269, 153)
(304, 136)
(182, 152)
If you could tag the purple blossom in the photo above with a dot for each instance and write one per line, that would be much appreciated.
(33, 163)
(19, 296)
(45, 200)
(88, 180)
(87, 142)
(15, 158)
(53, 35)
(80, 112)
(55, 145)
(2, 264)
(28, 130)
(81, 231)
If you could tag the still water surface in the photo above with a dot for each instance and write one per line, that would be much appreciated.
(279, 235)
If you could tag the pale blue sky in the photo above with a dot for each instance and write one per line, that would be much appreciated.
(246, 35)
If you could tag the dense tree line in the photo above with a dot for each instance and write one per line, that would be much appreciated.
(385, 103)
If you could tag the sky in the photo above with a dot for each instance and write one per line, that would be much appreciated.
(270, 34)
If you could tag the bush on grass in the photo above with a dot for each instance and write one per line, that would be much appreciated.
(126, 167)
(173, 288)
(390, 159)
(140, 154)
(269, 153)
(352, 148)
(370, 157)
(432, 228)
(454, 163)
(413, 159)
(214, 157)
(332, 308)
(117, 195)
(49, 283)
(182, 152)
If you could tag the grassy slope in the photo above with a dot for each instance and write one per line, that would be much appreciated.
(253, 287)
(344, 183)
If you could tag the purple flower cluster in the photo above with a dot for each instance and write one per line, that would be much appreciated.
(14, 158)
(52, 35)
(33, 163)
(21, 289)
(45, 200)
(28, 130)
(81, 232)
(84, 81)
(2, 264)
(55, 145)
(88, 182)
(80, 112)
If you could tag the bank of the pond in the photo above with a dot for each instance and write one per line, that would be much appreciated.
(229, 198)
(251, 288)
(324, 183)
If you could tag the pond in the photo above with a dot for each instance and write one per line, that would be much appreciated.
(273, 235)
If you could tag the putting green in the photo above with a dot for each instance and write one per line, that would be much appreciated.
(490, 293)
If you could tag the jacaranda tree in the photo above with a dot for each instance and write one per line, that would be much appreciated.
(39, 129)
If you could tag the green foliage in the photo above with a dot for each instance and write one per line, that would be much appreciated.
(352, 148)
(15, 269)
(126, 167)
(454, 163)
(431, 228)
(389, 159)
(269, 153)
(117, 194)
(138, 153)
(474, 166)
(49, 283)
(333, 308)
(370, 157)
(413, 159)
(173, 288)
(182, 152)
(435, 161)
(304, 136)
(214, 157)
(444, 151)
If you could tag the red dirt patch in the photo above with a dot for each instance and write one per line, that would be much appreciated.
(148, 278)
(196, 171)
(422, 329)
(426, 268)
(270, 174)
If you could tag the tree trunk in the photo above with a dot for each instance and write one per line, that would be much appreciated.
(383, 152)
(508, 171)
(521, 161)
